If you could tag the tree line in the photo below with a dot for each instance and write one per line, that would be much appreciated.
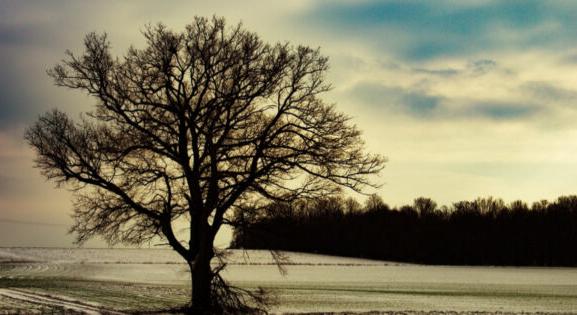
(486, 231)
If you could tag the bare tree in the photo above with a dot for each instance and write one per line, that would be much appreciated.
(193, 126)
(424, 206)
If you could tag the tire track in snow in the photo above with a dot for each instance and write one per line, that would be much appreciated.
(67, 304)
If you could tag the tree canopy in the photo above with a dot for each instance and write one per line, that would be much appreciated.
(191, 126)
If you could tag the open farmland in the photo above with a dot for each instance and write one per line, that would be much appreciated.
(131, 280)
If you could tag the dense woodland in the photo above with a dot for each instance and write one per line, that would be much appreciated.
(486, 231)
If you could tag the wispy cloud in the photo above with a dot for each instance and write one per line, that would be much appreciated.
(501, 111)
(412, 102)
(550, 92)
(426, 106)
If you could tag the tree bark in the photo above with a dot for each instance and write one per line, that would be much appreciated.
(201, 277)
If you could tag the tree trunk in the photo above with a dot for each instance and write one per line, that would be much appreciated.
(201, 278)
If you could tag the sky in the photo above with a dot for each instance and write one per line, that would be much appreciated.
(466, 99)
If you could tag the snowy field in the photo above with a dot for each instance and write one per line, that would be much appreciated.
(129, 279)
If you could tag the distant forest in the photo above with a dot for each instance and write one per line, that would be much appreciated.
(485, 231)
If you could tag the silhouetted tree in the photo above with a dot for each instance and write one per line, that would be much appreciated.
(351, 205)
(424, 206)
(374, 203)
(192, 126)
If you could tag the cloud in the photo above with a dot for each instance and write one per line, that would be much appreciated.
(13, 35)
(35, 34)
(474, 68)
(11, 187)
(449, 72)
(482, 66)
(444, 81)
(421, 104)
(413, 102)
(501, 111)
(4, 185)
(424, 30)
(549, 91)
(16, 100)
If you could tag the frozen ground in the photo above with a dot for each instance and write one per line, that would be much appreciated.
(124, 280)
(161, 256)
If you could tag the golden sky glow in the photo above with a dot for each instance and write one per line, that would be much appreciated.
(466, 100)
